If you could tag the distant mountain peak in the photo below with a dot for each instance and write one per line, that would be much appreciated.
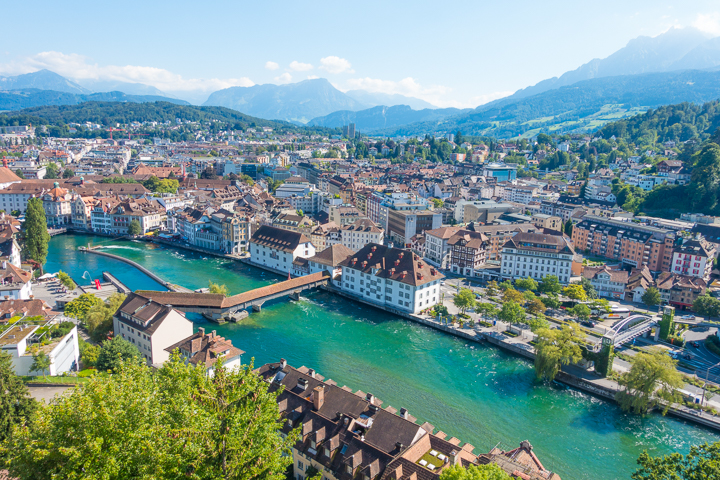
(42, 80)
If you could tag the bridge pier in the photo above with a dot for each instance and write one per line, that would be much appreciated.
(257, 307)
(657, 333)
(295, 296)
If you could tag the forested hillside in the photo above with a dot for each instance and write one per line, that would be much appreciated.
(677, 123)
(111, 113)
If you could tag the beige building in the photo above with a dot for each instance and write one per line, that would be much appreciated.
(550, 222)
(150, 326)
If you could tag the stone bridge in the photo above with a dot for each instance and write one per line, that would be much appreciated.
(219, 307)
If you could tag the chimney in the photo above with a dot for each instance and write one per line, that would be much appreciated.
(283, 363)
(398, 472)
(302, 384)
(454, 457)
(311, 372)
(370, 397)
(404, 413)
(213, 334)
(399, 445)
(201, 331)
(318, 397)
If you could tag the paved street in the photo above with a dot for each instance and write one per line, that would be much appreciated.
(46, 394)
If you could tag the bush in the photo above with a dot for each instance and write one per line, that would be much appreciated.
(712, 343)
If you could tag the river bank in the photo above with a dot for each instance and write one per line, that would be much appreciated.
(473, 391)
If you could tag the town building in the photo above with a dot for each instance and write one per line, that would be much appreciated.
(679, 291)
(608, 282)
(694, 258)
(20, 341)
(393, 278)
(150, 326)
(437, 251)
(468, 253)
(355, 236)
(15, 283)
(405, 224)
(277, 249)
(536, 255)
(207, 349)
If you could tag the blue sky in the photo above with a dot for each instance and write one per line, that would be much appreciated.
(450, 53)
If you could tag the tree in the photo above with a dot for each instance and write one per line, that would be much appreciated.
(134, 228)
(223, 426)
(68, 173)
(568, 228)
(707, 306)
(550, 284)
(487, 310)
(575, 292)
(79, 307)
(16, 404)
(99, 317)
(512, 313)
(702, 462)
(218, 289)
(209, 173)
(535, 306)
(556, 348)
(581, 311)
(437, 203)
(20, 174)
(512, 295)
(52, 171)
(41, 362)
(114, 353)
(527, 284)
(464, 299)
(35, 234)
(492, 288)
(89, 355)
(65, 280)
(588, 287)
(652, 378)
(651, 297)
(490, 471)
(538, 322)
(551, 301)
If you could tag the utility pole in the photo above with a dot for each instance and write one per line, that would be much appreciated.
(707, 376)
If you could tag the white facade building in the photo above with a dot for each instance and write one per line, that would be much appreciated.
(277, 248)
(536, 255)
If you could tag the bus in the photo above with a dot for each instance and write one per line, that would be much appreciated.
(616, 312)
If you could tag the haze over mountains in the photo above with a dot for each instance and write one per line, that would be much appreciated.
(679, 65)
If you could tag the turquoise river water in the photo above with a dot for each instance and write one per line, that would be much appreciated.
(474, 392)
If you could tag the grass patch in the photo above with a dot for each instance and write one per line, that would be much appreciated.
(59, 380)
(511, 334)
(433, 460)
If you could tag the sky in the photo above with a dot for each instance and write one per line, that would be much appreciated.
(449, 53)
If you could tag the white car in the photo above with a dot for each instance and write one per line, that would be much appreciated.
(442, 284)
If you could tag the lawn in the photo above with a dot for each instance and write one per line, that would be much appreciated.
(57, 379)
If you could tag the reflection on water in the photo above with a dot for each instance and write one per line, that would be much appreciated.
(473, 392)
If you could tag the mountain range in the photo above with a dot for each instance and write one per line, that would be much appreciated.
(382, 117)
(32, 97)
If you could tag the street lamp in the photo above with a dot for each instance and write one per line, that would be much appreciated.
(707, 375)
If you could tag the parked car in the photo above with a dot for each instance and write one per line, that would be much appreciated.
(695, 344)
(688, 317)
(588, 324)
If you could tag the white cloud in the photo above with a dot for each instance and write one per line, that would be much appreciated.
(708, 22)
(78, 67)
(312, 77)
(284, 78)
(271, 65)
(299, 66)
(334, 64)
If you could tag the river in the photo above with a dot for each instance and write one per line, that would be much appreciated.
(474, 392)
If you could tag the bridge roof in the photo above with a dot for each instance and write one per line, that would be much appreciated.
(212, 300)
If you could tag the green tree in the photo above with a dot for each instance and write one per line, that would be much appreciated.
(651, 297)
(89, 355)
(20, 174)
(581, 311)
(177, 422)
(551, 301)
(705, 179)
(707, 306)
(575, 292)
(218, 289)
(464, 299)
(79, 307)
(41, 362)
(512, 312)
(568, 228)
(99, 317)
(65, 280)
(535, 306)
(588, 287)
(68, 173)
(486, 310)
(556, 348)
(247, 179)
(512, 295)
(52, 171)
(538, 322)
(652, 378)
(550, 284)
(114, 353)
(437, 203)
(134, 228)
(35, 234)
(16, 404)
(490, 471)
(701, 463)
(527, 284)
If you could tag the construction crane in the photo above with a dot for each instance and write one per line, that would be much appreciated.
(111, 130)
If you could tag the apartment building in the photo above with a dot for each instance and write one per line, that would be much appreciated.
(150, 326)
(437, 251)
(519, 193)
(360, 233)
(536, 255)
(608, 282)
(631, 243)
(693, 258)
(206, 349)
(277, 249)
(326, 235)
(680, 291)
(405, 224)
(468, 253)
